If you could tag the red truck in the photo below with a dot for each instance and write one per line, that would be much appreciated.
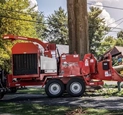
(37, 63)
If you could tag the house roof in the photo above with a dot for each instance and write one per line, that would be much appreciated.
(120, 49)
(115, 50)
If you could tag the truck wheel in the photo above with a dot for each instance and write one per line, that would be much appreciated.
(54, 88)
(1, 95)
(13, 89)
(76, 87)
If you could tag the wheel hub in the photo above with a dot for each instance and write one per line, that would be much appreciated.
(75, 87)
(54, 89)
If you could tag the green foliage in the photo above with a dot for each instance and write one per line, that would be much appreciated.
(97, 29)
(119, 42)
(40, 26)
(13, 22)
(57, 31)
(120, 34)
(106, 44)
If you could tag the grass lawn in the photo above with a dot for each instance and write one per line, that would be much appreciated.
(29, 108)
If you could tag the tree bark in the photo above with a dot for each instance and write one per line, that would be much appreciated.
(78, 27)
(71, 26)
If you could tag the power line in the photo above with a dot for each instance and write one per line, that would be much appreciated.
(106, 6)
(117, 28)
(27, 20)
(114, 31)
(20, 12)
(117, 25)
(22, 19)
(16, 11)
(114, 28)
(115, 21)
(43, 22)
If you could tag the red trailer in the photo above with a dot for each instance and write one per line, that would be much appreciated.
(37, 63)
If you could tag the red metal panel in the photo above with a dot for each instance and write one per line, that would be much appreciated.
(23, 48)
(14, 37)
(69, 65)
(26, 48)
(25, 83)
(46, 46)
(116, 76)
(26, 76)
(9, 80)
(102, 73)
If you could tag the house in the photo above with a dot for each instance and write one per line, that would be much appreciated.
(115, 50)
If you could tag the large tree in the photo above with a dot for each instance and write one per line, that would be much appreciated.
(97, 29)
(119, 41)
(57, 31)
(40, 25)
(78, 27)
(106, 44)
(15, 19)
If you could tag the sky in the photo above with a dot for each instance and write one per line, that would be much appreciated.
(110, 14)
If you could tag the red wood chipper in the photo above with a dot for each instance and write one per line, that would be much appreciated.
(37, 63)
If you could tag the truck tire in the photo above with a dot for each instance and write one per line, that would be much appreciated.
(1, 95)
(54, 88)
(75, 87)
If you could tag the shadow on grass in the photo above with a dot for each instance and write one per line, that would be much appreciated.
(31, 91)
(29, 108)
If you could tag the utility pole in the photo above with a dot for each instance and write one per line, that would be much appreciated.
(78, 27)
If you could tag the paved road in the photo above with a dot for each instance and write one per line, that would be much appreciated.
(115, 103)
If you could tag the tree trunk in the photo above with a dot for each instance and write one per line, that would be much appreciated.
(78, 27)
(118, 68)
